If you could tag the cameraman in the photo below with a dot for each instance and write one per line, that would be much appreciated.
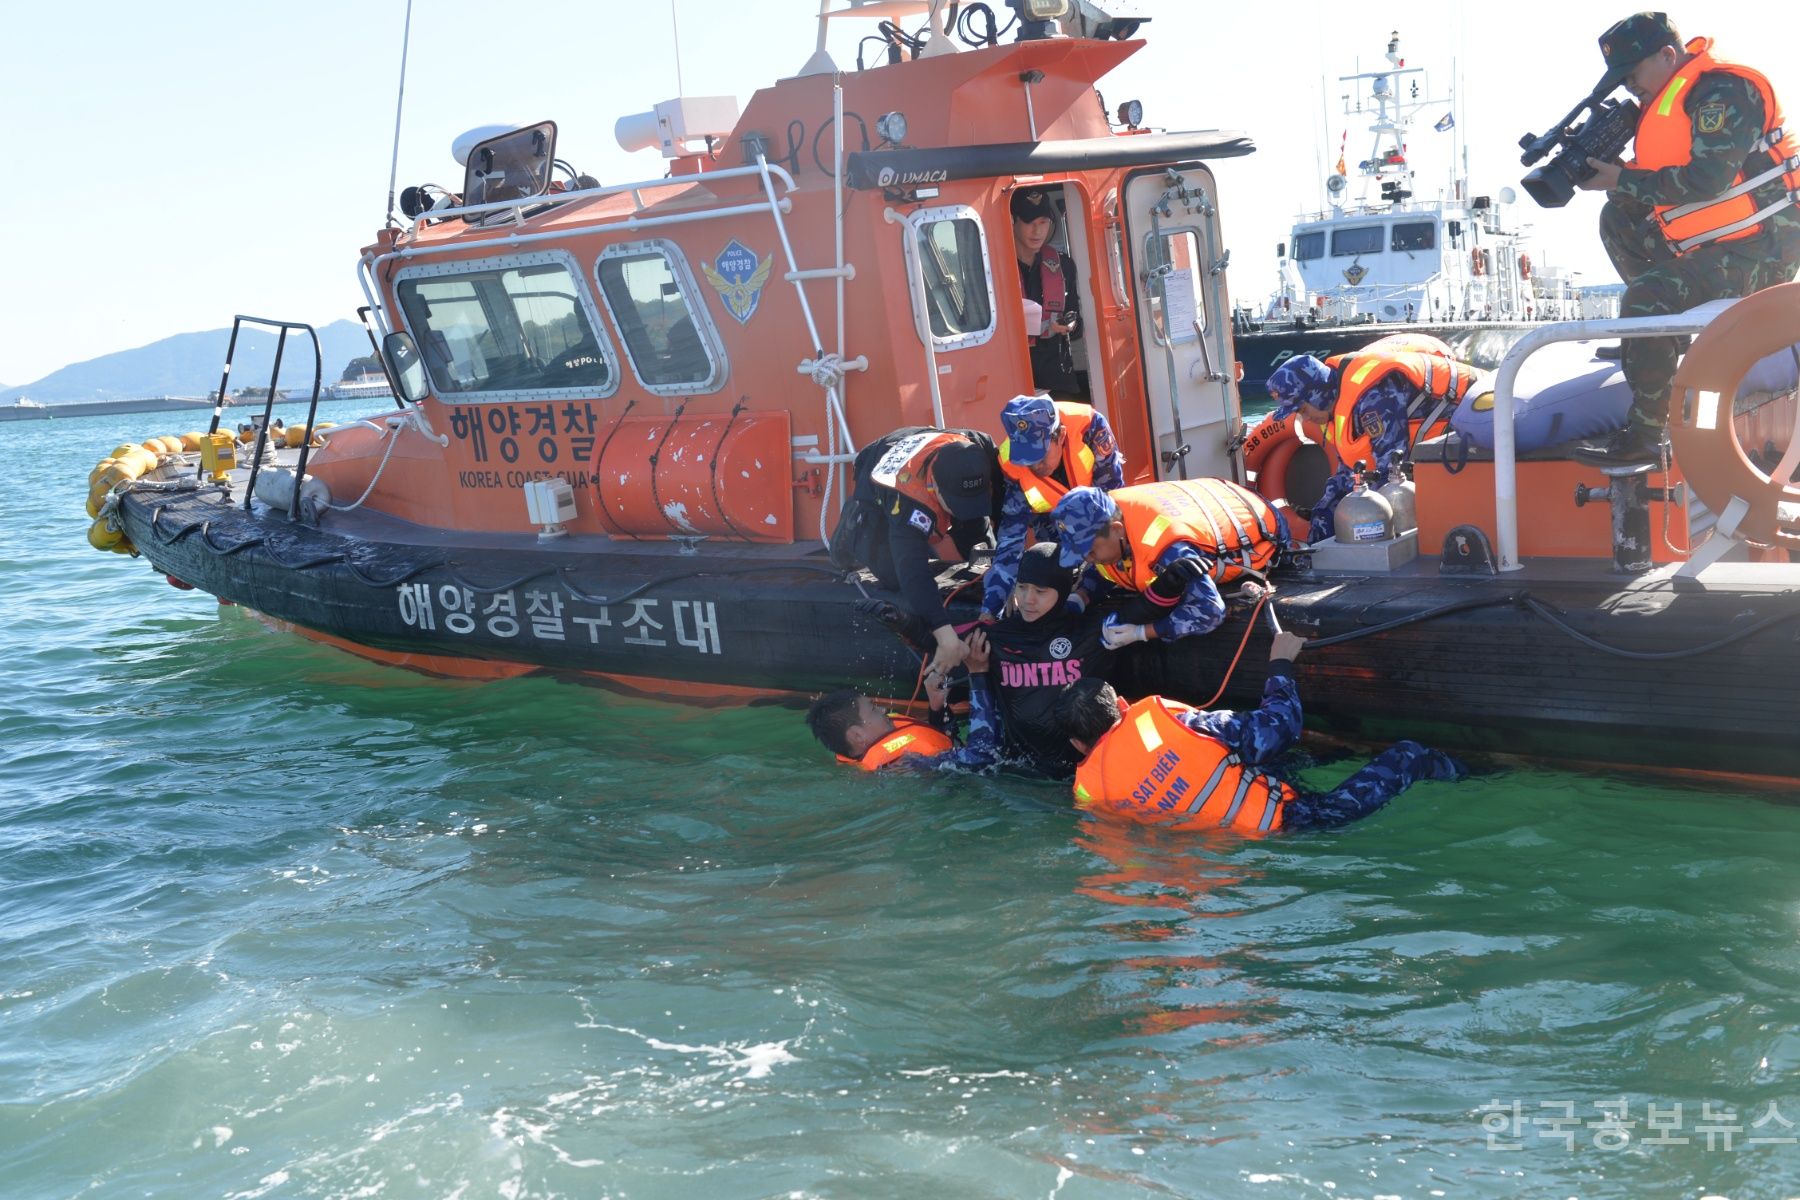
(1704, 211)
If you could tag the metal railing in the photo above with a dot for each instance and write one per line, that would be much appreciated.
(1506, 494)
(312, 409)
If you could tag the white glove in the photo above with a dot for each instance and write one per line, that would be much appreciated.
(1115, 634)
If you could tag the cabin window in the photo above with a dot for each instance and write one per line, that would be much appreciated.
(1365, 239)
(951, 283)
(1308, 246)
(520, 326)
(1415, 235)
(668, 336)
(1178, 305)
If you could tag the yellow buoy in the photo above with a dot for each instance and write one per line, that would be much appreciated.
(102, 536)
(191, 441)
(295, 435)
(100, 466)
(120, 451)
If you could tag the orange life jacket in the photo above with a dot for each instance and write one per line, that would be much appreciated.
(1041, 491)
(1152, 769)
(1665, 139)
(909, 737)
(1432, 374)
(1232, 525)
(906, 467)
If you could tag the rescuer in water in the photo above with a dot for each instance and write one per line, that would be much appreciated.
(1171, 544)
(1160, 762)
(862, 733)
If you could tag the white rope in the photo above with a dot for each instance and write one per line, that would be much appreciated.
(827, 370)
(375, 479)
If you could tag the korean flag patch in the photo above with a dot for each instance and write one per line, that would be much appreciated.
(920, 520)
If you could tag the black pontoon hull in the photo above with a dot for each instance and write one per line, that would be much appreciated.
(1475, 663)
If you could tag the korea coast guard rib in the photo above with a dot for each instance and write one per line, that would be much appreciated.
(624, 416)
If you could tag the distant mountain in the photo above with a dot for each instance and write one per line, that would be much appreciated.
(188, 364)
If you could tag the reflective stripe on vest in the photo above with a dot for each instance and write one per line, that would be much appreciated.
(1665, 139)
(1432, 375)
(906, 468)
(1041, 491)
(1232, 525)
(909, 737)
(1152, 769)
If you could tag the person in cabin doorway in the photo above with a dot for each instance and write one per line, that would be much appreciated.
(1371, 403)
(863, 733)
(1169, 545)
(920, 494)
(1032, 653)
(1047, 280)
(1706, 208)
(1051, 446)
(1160, 762)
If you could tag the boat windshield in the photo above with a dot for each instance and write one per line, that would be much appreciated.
(505, 328)
(1364, 239)
(1415, 235)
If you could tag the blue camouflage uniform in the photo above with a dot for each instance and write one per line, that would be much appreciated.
(1381, 414)
(1200, 609)
(980, 751)
(1016, 517)
(1259, 737)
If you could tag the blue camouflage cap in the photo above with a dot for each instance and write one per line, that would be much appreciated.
(1029, 423)
(1081, 516)
(1302, 379)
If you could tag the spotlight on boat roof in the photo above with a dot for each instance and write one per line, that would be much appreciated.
(1131, 113)
(1037, 18)
(891, 127)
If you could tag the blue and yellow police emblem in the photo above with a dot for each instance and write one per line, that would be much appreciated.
(739, 278)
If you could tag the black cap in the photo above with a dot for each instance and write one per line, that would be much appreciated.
(1040, 567)
(1631, 41)
(1030, 203)
(964, 474)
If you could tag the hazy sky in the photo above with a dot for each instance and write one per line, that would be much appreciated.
(200, 158)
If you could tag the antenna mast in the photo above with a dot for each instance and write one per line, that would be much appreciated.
(399, 103)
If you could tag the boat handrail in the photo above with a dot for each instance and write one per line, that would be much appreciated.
(1506, 497)
(518, 205)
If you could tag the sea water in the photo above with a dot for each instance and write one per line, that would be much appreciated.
(279, 922)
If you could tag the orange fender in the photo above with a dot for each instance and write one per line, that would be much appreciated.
(1704, 434)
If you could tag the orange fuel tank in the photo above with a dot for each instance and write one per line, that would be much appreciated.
(728, 475)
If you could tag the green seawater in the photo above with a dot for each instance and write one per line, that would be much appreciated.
(278, 922)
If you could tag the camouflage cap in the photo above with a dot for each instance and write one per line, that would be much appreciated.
(1631, 41)
(1300, 380)
(1029, 423)
(1082, 515)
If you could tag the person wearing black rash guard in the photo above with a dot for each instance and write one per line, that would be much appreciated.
(1036, 650)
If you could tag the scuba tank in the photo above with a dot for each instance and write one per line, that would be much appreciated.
(1364, 516)
(1399, 491)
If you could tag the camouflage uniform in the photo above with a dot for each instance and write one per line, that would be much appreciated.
(1727, 117)
(1259, 737)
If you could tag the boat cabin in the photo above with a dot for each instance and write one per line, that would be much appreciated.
(700, 355)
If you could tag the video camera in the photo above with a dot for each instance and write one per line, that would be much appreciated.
(1610, 124)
